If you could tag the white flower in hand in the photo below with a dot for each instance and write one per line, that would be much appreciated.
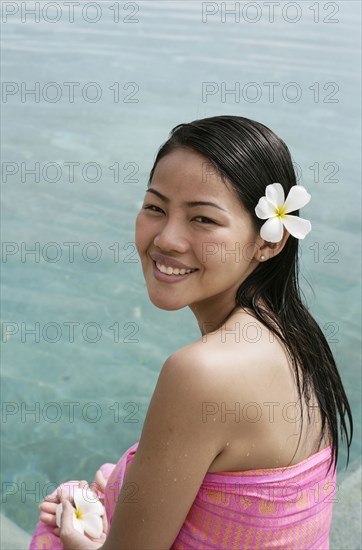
(274, 209)
(87, 513)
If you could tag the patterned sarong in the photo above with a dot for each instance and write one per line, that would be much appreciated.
(282, 508)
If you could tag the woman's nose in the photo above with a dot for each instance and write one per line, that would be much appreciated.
(171, 237)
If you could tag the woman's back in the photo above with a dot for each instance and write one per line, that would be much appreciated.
(257, 409)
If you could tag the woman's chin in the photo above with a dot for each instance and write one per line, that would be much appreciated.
(166, 304)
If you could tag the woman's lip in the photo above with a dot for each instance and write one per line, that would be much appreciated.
(169, 278)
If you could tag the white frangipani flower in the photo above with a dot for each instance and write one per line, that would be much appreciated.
(274, 209)
(87, 513)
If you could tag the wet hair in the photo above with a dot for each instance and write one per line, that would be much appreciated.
(249, 156)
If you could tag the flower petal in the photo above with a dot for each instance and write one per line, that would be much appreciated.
(264, 209)
(88, 502)
(275, 194)
(297, 197)
(78, 496)
(296, 226)
(93, 506)
(58, 519)
(272, 230)
(78, 525)
(92, 525)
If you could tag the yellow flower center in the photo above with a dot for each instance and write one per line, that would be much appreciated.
(280, 212)
(78, 513)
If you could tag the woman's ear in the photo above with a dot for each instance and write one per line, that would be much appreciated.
(268, 249)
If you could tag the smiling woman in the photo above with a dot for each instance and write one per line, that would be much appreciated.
(240, 443)
(197, 231)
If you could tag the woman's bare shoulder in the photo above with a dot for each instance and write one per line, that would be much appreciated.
(244, 345)
(244, 335)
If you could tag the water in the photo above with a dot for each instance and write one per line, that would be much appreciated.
(89, 398)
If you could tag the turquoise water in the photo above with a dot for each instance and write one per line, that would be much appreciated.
(90, 393)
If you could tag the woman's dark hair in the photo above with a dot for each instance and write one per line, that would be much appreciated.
(250, 156)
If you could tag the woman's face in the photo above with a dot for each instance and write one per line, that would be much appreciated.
(217, 240)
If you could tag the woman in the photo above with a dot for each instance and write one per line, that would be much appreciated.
(240, 442)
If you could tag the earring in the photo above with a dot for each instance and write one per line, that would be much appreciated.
(262, 258)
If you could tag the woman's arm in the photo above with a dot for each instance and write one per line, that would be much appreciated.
(175, 451)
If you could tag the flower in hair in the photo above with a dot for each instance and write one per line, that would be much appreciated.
(274, 209)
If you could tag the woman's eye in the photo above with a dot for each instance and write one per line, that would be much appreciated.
(152, 206)
(203, 218)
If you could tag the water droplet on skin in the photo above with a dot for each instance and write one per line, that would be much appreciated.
(175, 479)
(143, 519)
(185, 455)
(214, 419)
(227, 443)
(247, 454)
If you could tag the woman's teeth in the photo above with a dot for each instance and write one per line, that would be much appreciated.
(173, 271)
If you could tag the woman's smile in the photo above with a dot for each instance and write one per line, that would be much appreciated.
(171, 275)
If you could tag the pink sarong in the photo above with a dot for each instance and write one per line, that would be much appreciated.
(283, 508)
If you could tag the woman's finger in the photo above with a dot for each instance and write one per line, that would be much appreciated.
(67, 528)
(105, 523)
(51, 498)
(48, 507)
(83, 483)
(100, 480)
(49, 519)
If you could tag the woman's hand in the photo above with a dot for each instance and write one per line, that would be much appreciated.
(65, 493)
(50, 502)
(72, 539)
